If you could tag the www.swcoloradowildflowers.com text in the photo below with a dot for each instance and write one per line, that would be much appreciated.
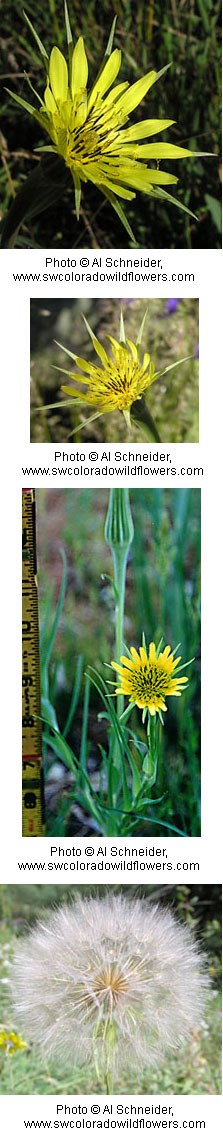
(107, 866)
(112, 1124)
(113, 470)
(108, 269)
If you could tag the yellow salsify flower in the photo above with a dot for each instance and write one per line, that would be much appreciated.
(148, 677)
(119, 381)
(91, 131)
(10, 1042)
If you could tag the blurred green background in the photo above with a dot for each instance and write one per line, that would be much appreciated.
(194, 1069)
(162, 598)
(151, 34)
(171, 333)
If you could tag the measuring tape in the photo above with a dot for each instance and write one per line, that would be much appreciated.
(32, 786)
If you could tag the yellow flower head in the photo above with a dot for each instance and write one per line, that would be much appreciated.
(10, 1042)
(149, 677)
(90, 129)
(121, 378)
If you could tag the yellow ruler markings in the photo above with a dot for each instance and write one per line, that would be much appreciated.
(32, 796)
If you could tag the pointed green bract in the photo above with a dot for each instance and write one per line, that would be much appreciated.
(36, 37)
(37, 96)
(141, 328)
(120, 212)
(109, 47)
(67, 25)
(168, 368)
(23, 103)
(122, 327)
(96, 344)
(163, 194)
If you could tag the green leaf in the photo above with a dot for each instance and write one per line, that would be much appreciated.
(61, 749)
(49, 714)
(141, 415)
(215, 210)
(74, 695)
(150, 769)
(44, 186)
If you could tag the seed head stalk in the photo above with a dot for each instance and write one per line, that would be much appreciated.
(105, 1072)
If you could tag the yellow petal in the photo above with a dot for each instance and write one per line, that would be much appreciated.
(74, 393)
(115, 93)
(135, 655)
(146, 128)
(85, 365)
(136, 92)
(115, 344)
(96, 174)
(143, 655)
(146, 361)
(79, 68)
(101, 353)
(58, 75)
(115, 173)
(49, 101)
(133, 348)
(127, 664)
(107, 77)
(161, 151)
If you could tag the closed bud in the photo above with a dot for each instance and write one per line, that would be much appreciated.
(119, 530)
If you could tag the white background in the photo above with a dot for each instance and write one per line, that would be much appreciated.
(17, 452)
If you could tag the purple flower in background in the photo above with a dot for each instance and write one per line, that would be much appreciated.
(171, 305)
(196, 352)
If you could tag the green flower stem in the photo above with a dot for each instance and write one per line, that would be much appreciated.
(119, 533)
(150, 763)
(119, 561)
(83, 749)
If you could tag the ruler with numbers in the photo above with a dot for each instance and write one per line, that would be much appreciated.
(32, 787)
